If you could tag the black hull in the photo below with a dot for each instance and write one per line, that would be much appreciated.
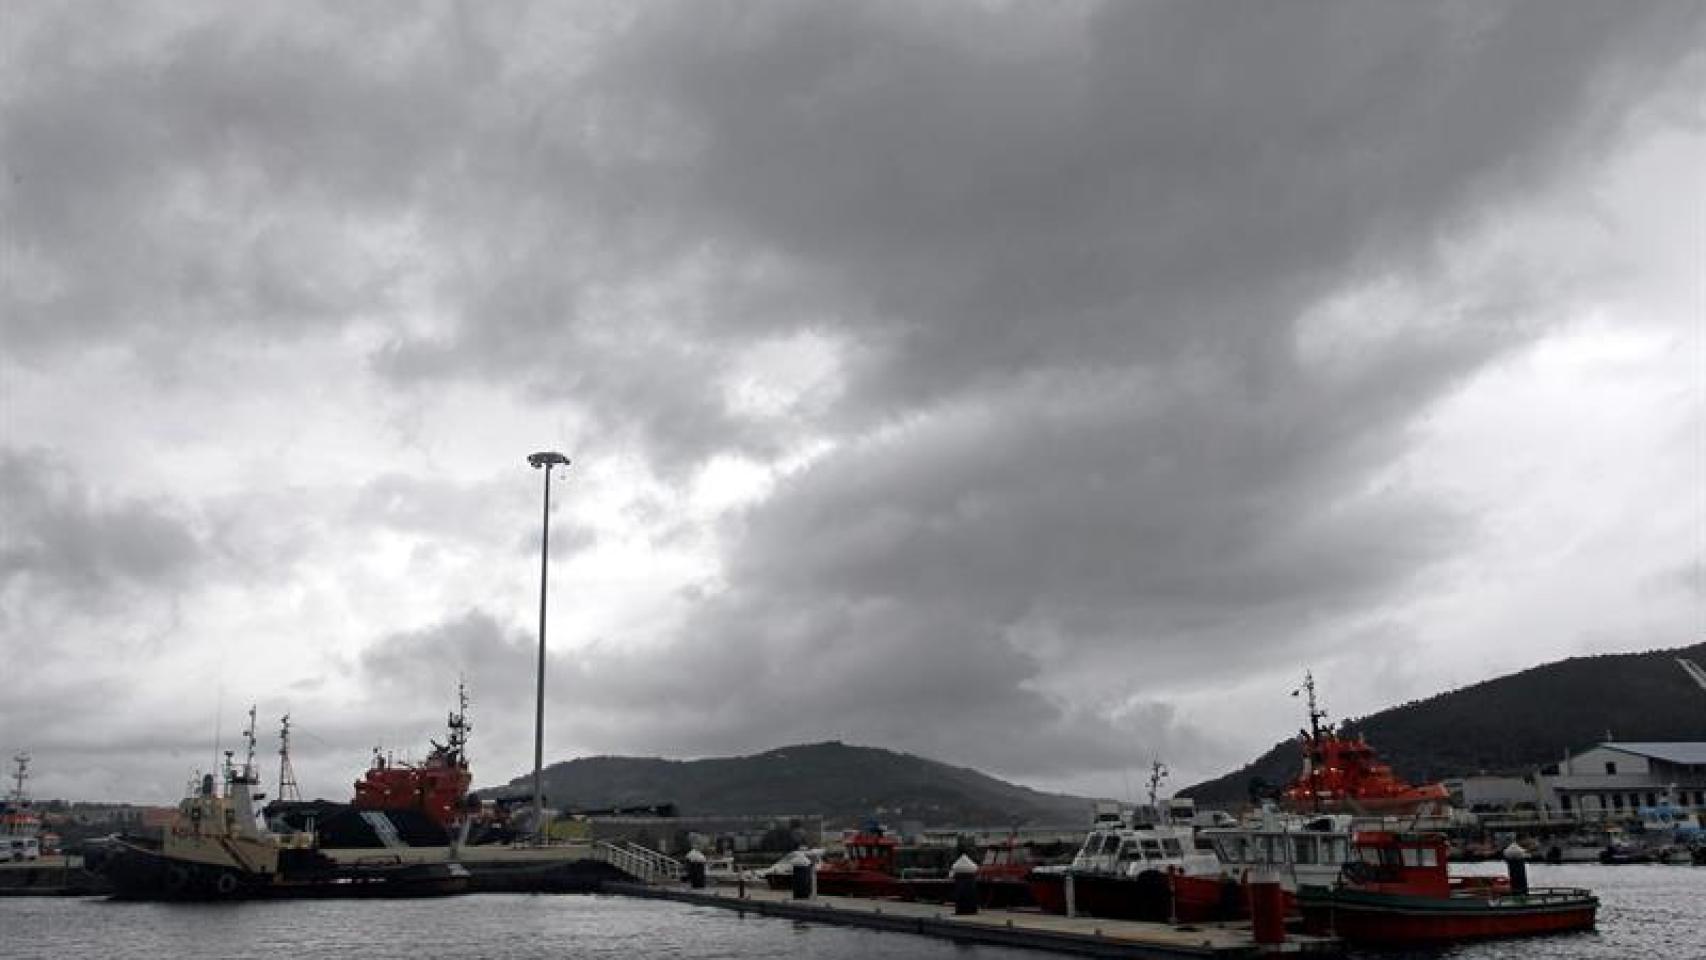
(136, 873)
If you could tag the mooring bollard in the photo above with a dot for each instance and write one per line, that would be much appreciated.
(1515, 856)
(1267, 912)
(804, 879)
(1071, 901)
(696, 869)
(965, 886)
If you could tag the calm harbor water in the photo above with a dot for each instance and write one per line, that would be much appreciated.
(1647, 911)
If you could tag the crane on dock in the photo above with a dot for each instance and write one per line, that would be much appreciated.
(1693, 670)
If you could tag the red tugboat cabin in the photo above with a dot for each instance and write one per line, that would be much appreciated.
(1413, 864)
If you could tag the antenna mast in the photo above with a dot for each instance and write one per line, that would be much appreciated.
(459, 725)
(1316, 714)
(18, 778)
(287, 788)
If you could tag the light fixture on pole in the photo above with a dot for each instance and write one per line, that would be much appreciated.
(545, 460)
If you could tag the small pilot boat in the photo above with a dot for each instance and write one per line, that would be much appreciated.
(1395, 890)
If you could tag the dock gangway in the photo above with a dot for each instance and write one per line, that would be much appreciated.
(641, 863)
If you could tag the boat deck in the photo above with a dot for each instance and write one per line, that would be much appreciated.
(1079, 936)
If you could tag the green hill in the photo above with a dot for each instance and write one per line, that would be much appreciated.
(842, 783)
(1513, 723)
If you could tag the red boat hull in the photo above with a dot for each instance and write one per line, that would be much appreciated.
(1212, 899)
(1402, 922)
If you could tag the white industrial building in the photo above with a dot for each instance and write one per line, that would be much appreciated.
(1616, 779)
(1610, 780)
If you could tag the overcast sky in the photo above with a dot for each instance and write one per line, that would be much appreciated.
(1041, 387)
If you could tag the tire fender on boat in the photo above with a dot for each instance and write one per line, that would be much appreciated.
(177, 878)
(226, 885)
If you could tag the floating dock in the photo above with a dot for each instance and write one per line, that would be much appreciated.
(55, 875)
(1077, 936)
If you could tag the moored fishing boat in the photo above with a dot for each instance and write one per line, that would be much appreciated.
(1125, 868)
(1274, 847)
(1001, 879)
(1397, 891)
(216, 847)
(867, 868)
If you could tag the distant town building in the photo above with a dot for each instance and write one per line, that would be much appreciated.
(1614, 779)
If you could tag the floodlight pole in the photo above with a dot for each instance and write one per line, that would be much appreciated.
(545, 460)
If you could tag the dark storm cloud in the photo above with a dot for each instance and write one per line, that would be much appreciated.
(206, 183)
(1067, 255)
(64, 539)
(496, 660)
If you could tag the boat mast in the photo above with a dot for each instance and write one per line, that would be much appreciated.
(287, 788)
(1313, 754)
(459, 726)
(1316, 714)
(1157, 773)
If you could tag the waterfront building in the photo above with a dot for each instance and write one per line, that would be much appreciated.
(1614, 780)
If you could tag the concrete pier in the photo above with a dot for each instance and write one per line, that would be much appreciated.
(1078, 936)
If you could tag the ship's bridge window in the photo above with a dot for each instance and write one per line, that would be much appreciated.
(1429, 857)
(1171, 848)
(1230, 849)
(1151, 849)
(1412, 857)
(1334, 850)
(1110, 844)
(1303, 849)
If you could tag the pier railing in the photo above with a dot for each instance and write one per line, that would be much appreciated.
(638, 862)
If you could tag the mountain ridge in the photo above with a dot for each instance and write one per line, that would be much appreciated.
(839, 781)
(1509, 724)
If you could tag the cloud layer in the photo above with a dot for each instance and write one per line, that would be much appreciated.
(1018, 384)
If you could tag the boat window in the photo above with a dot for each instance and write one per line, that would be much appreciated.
(1151, 849)
(1334, 850)
(1429, 859)
(1369, 855)
(1412, 857)
(1110, 844)
(1304, 849)
(1273, 849)
(1230, 849)
(1171, 848)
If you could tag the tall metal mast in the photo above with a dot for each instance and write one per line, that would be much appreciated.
(545, 460)
(287, 788)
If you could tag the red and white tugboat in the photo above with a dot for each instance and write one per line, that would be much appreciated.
(868, 868)
(1342, 774)
(1396, 891)
(396, 803)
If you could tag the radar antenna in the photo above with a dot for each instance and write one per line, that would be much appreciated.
(459, 725)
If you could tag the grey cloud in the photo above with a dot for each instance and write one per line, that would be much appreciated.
(1066, 255)
(65, 539)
